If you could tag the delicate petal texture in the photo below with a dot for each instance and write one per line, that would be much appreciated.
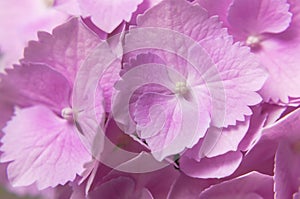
(251, 186)
(228, 140)
(19, 21)
(122, 187)
(106, 14)
(49, 149)
(216, 167)
(186, 187)
(64, 50)
(220, 8)
(252, 17)
(271, 29)
(31, 84)
(234, 71)
(287, 173)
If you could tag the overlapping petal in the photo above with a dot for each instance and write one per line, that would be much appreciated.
(54, 152)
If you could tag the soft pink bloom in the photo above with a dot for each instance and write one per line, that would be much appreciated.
(50, 151)
(271, 29)
(106, 14)
(19, 21)
(194, 91)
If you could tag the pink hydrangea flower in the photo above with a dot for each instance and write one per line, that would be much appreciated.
(159, 111)
(50, 151)
(271, 29)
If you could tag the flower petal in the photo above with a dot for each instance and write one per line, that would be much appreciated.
(216, 167)
(49, 149)
(286, 177)
(252, 17)
(31, 84)
(251, 186)
(64, 50)
(108, 14)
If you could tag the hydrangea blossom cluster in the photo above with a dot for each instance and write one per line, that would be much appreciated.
(150, 99)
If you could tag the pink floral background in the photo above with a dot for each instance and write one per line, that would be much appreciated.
(143, 99)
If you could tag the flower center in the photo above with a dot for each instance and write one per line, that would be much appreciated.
(253, 41)
(67, 113)
(181, 88)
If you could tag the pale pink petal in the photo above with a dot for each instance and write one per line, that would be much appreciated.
(220, 8)
(31, 84)
(253, 17)
(286, 177)
(108, 14)
(220, 141)
(251, 186)
(65, 49)
(279, 54)
(21, 20)
(68, 6)
(49, 149)
(216, 167)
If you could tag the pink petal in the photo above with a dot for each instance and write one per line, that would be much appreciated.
(68, 6)
(64, 50)
(49, 149)
(186, 187)
(121, 187)
(107, 14)
(221, 8)
(251, 186)
(252, 17)
(228, 140)
(216, 167)
(31, 84)
(231, 68)
(287, 162)
(25, 19)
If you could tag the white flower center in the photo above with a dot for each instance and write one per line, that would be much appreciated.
(181, 88)
(252, 41)
(67, 113)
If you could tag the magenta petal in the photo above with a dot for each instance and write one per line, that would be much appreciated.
(64, 50)
(49, 149)
(251, 186)
(216, 167)
(6, 112)
(287, 162)
(251, 17)
(30, 84)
